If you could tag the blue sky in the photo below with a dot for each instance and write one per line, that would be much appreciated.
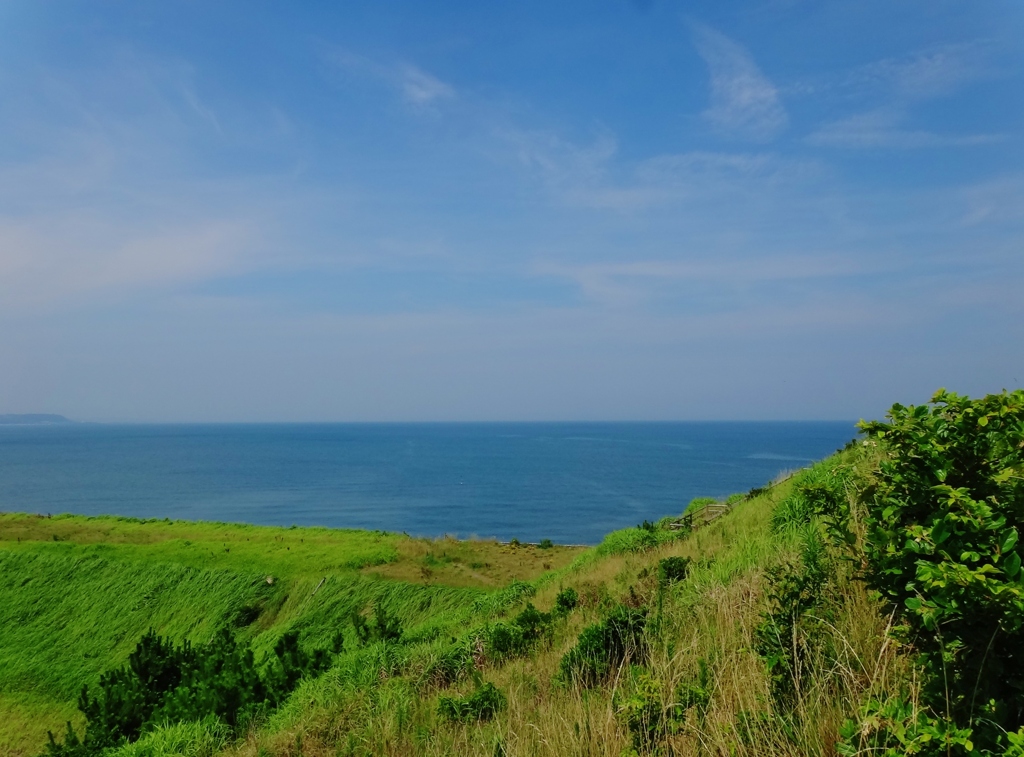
(245, 211)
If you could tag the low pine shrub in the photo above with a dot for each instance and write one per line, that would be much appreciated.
(382, 627)
(482, 704)
(505, 640)
(165, 682)
(603, 647)
(672, 569)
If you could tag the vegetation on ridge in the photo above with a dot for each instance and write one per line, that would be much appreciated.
(869, 605)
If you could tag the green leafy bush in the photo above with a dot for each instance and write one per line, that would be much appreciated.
(603, 647)
(482, 704)
(895, 727)
(942, 547)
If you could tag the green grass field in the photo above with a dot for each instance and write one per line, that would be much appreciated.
(77, 593)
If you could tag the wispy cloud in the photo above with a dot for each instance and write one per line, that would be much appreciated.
(66, 260)
(594, 175)
(925, 75)
(883, 128)
(416, 86)
(744, 102)
(421, 88)
(628, 283)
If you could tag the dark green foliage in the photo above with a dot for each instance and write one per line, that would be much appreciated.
(166, 683)
(787, 630)
(942, 547)
(895, 727)
(504, 640)
(672, 569)
(382, 627)
(566, 601)
(603, 647)
(546, 544)
(482, 704)
(72, 746)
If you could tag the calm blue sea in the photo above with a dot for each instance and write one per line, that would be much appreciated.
(569, 482)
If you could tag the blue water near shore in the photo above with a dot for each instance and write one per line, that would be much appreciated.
(569, 482)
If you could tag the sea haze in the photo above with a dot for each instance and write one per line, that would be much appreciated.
(569, 482)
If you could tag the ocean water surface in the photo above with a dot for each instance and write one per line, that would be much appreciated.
(569, 482)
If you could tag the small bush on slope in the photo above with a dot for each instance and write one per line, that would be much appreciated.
(383, 627)
(603, 647)
(482, 704)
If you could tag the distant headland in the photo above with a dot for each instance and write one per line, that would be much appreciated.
(32, 419)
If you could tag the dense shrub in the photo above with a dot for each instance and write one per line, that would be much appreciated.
(942, 530)
(566, 601)
(482, 704)
(672, 569)
(603, 647)
(165, 682)
(503, 640)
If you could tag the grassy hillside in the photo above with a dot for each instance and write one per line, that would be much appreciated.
(872, 604)
(77, 593)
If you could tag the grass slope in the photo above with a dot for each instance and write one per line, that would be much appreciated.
(77, 593)
(703, 689)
